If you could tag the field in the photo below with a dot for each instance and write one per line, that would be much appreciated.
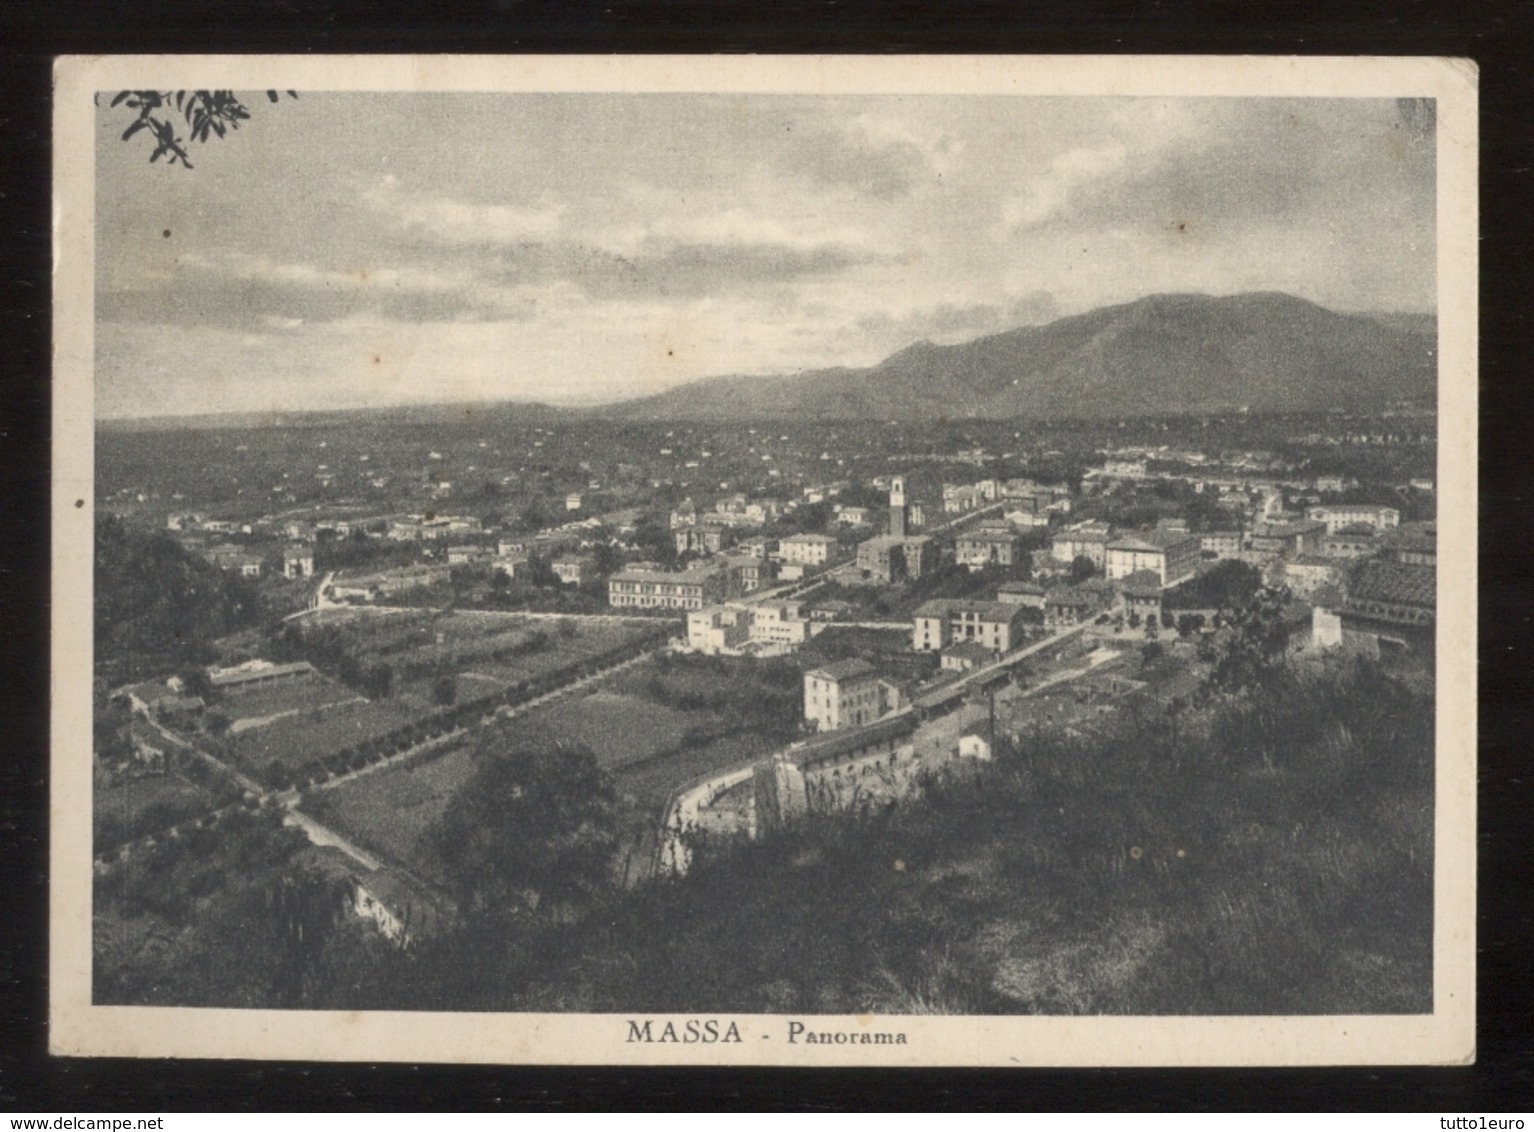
(392, 811)
(252, 709)
(618, 729)
(298, 739)
(589, 639)
(651, 750)
(133, 807)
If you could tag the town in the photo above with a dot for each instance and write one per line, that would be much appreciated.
(746, 627)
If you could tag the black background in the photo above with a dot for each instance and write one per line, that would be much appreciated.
(1498, 36)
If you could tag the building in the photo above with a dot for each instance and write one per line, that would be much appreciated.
(718, 628)
(1356, 540)
(782, 623)
(513, 565)
(1389, 606)
(807, 549)
(1415, 544)
(1142, 595)
(260, 674)
(1306, 574)
(900, 517)
(748, 573)
(1023, 517)
(837, 767)
(1171, 555)
(572, 570)
(1068, 606)
(888, 559)
(573, 501)
(758, 546)
(297, 562)
(974, 747)
(466, 554)
(1339, 515)
(1287, 540)
(965, 657)
(638, 588)
(1220, 544)
(988, 544)
(961, 499)
(998, 626)
(843, 694)
(707, 537)
(684, 515)
(1088, 541)
(1028, 594)
(369, 587)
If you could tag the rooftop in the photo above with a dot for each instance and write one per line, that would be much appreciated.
(808, 537)
(1393, 583)
(1019, 588)
(944, 606)
(968, 650)
(1152, 540)
(839, 670)
(255, 670)
(1142, 583)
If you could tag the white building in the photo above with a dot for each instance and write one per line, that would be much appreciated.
(807, 549)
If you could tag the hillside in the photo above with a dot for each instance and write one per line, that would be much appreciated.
(1165, 354)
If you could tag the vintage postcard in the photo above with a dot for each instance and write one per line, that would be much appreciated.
(831, 561)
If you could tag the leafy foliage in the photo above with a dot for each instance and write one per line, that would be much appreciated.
(206, 113)
(1226, 585)
(1253, 650)
(159, 607)
(533, 831)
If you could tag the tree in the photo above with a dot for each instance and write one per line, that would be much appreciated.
(1255, 646)
(1229, 584)
(207, 112)
(1082, 568)
(531, 832)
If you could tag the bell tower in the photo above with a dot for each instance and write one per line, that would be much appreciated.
(897, 507)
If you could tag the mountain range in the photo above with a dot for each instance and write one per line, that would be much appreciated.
(1163, 355)
(1160, 355)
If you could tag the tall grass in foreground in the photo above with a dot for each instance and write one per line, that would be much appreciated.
(1269, 852)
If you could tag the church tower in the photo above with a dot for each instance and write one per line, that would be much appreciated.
(897, 507)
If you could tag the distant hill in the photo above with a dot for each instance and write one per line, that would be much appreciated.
(1161, 355)
(486, 412)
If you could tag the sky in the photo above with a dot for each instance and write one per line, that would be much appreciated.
(344, 250)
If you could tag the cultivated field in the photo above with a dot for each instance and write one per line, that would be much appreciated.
(618, 729)
(392, 811)
(255, 709)
(133, 807)
(300, 739)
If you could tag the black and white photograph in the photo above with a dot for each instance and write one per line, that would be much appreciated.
(749, 561)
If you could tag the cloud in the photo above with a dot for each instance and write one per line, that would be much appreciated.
(1051, 193)
(256, 294)
(957, 322)
(884, 167)
(458, 222)
(1238, 165)
(671, 270)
